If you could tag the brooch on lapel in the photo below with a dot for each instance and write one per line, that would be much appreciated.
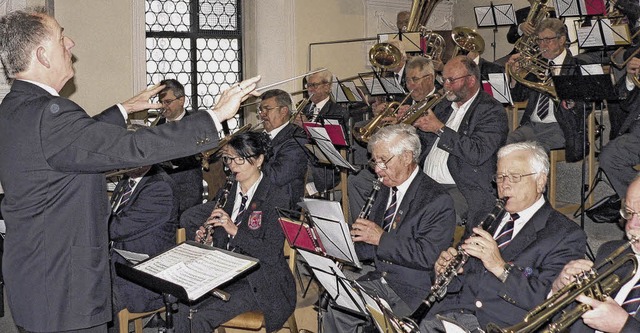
(255, 220)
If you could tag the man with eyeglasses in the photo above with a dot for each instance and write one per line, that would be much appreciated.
(554, 125)
(286, 167)
(460, 138)
(320, 103)
(411, 220)
(513, 264)
(618, 311)
(186, 171)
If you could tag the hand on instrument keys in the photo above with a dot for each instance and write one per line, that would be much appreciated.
(443, 260)
(607, 316)
(220, 218)
(485, 248)
(366, 231)
(428, 122)
(228, 103)
(567, 275)
(632, 67)
(527, 28)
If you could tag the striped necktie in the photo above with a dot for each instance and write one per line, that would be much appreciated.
(391, 210)
(126, 195)
(632, 302)
(243, 207)
(504, 238)
(543, 99)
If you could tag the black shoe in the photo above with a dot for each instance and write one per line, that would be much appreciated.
(606, 210)
(155, 321)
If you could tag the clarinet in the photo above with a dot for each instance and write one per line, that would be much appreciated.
(442, 281)
(366, 209)
(221, 201)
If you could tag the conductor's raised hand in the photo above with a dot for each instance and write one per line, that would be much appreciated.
(228, 102)
(141, 102)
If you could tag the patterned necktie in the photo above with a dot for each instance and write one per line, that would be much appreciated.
(126, 195)
(504, 238)
(543, 100)
(312, 112)
(632, 302)
(243, 207)
(391, 210)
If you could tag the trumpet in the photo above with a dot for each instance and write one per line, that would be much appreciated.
(364, 133)
(594, 283)
(299, 107)
(221, 201)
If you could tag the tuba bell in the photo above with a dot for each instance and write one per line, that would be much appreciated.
(466, 39)
(385, 56)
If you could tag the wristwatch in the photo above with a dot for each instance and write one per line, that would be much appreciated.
(507, 268)
(440, 131)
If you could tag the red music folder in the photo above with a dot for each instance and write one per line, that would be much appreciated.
(335, 132)
(301, 236)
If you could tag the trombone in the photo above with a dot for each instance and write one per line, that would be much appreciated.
(594, 284)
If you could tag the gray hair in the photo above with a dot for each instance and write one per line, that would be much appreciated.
(282, 97)
(399, 138)
(20, 33)
(325, 75)
(420, 63)
(538, 158)
(553, 24)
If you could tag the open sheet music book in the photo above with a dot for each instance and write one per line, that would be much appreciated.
(196, 268)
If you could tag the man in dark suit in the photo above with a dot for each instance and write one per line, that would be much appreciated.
(185, 171)
(554, 125)
(618, 312)
(144, 219)
(460, 139)
(52, 162)
(411, 220)
(286, 168)
(619, 157)
(511, 266)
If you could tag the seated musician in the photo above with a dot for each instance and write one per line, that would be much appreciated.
(621, 154)
(286, 167)
(619, 311)
(412, 219)
(460, 138)
(247, 224)
(554, 125)
(510, 270)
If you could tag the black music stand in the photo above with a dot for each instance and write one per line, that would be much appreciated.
(495, 16)
(586, 88)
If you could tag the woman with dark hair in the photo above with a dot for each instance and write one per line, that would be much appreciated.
(247, 224)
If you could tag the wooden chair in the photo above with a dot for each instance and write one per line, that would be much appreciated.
(253, 320)
(124, 316)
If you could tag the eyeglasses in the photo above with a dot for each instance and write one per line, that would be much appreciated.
(627, 213)
(513, 177)
(382, 165)
(316, 85)
(452, 80)
(239, 160)
(266, 109)
(416, 79)
(168, 101)
(545, 40)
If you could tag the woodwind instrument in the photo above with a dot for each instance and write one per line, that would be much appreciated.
(221, 200)
(366, 209)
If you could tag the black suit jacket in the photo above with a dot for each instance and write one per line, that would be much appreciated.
(571, 120)
(472, 150)
(52, 159)
(260, 236)
(330, 109)
(186, 172)
(424, 225)
(633, 323)
(147, 224)
(287, 167)
(538, 252)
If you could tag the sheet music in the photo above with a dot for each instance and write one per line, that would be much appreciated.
(504, 15)
(498, 83)
(333, 231)
(321, 137)
(590, 36)
(132, 257)
(567, 8)
(351, 86)
(198, 270)
(374, 86)
(591, 69)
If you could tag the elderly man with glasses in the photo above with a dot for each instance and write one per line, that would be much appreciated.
(555, 125)
(411, 220)
(513, 264)
(618, 311)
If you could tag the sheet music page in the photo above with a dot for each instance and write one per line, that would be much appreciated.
(198, 270)
(354, 90)
(337, 93)
(591, 69)
(132, 257)
(484, 17)
(567, 8)
(505, 14)
(391, 86)
(608, 33)
(500, 88)
(374, 86)
(589, 36)
(321, 137)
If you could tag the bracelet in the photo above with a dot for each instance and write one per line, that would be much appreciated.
(440, 131)
(505, 273)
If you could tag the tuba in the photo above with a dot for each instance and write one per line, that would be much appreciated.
(466, 39)
(385, 56)
(419, 15)
(595, 283)
(530, 60)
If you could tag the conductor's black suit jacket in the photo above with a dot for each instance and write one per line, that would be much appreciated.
(52, 160)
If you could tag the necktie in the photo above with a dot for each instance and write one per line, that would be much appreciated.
(504, 238)
(243, 207)
(397, 78)
(391, 210)
(312, 112)
(632, 302)
(126, 195)
(543, 99)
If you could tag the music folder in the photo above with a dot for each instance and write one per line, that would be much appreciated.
(188, 270)
(299, 234)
